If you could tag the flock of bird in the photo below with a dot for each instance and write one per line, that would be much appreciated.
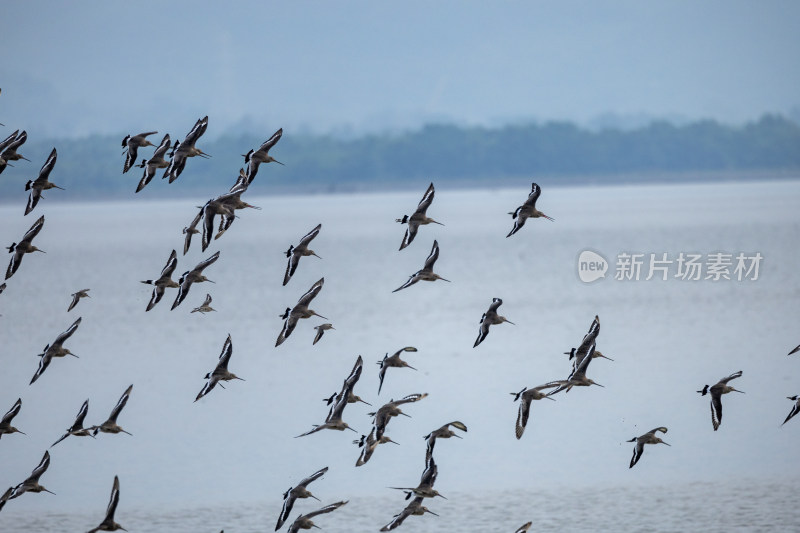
(225, 206)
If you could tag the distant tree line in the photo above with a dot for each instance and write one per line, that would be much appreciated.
(92, 167)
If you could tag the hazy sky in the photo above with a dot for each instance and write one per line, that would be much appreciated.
(77, 68)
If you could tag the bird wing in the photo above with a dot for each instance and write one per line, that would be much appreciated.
(197, 131)
(203, 264)
(130, 158)
(410, 398)
(534, 195)
(44, 362)
(172, 263)
(288, 326)
(120, 404)
(48, 166)
(428, 477)
(522, 414)
(716, 410)
(14, 411)
(411, 232)
(291, 266)
(113, 501)
(432, 257)
(313, 477)
(78, 424)
(308, 237)
(210, 384)
(427, 198)
(158, 292)
(40, 469)
(162, 148)
(412, 279)
(288, 503)
(732, 376)
(326, 509)
(311, 293)
(519, 221)
(33, 198)
(269, 143)
(318, 336)
(7, 141)
(637, 452)
(225, 355)
(794, 411)
(68, 333)
(483, 331)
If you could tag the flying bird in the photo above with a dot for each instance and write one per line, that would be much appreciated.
(192, 276)
(526, 397)
(527, 210)
(32, 483)
(391, 409)
(183, 150)
(77, 428)
(55, 350)
(304, 521)
(254, 158)
(321, 329)
(294, 253)
(220, 372)
(418, 218)
(191, 229)
(10, 153)
(425, 488)
(647, 438)
(443, 432)
(427, 273)
(301, 310)
(577, 377)
(334, 418)
(393, 361)
(797, 349)
(23, 247)
(5, 424)
(132, 145)
(108, 523)
(415, 508)
(368, 444)
(156, 162)
(206, 307)
(490, 318)
(110, 425)
(41, 183)
(588, 341)
(298, 491)
(795, 408)
(7, 150)
(76, 296)
(164, 281)
(716, 392)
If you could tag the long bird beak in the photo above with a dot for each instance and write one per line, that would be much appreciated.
(276, 161)
(351, 429)
(312, 496)
(603, 356)
(362, 401)
(667, 443)
(549, 398)
(507, 320)
(315, 255)
(736, 390)
(28, 160)
(411, 367)
(434, 514)
(402, 413)
(599, 385)
(548, 218)
(210, 281)
(319, 315)
(447, 280)
(436, 222)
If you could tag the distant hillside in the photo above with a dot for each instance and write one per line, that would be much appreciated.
(558, 151)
